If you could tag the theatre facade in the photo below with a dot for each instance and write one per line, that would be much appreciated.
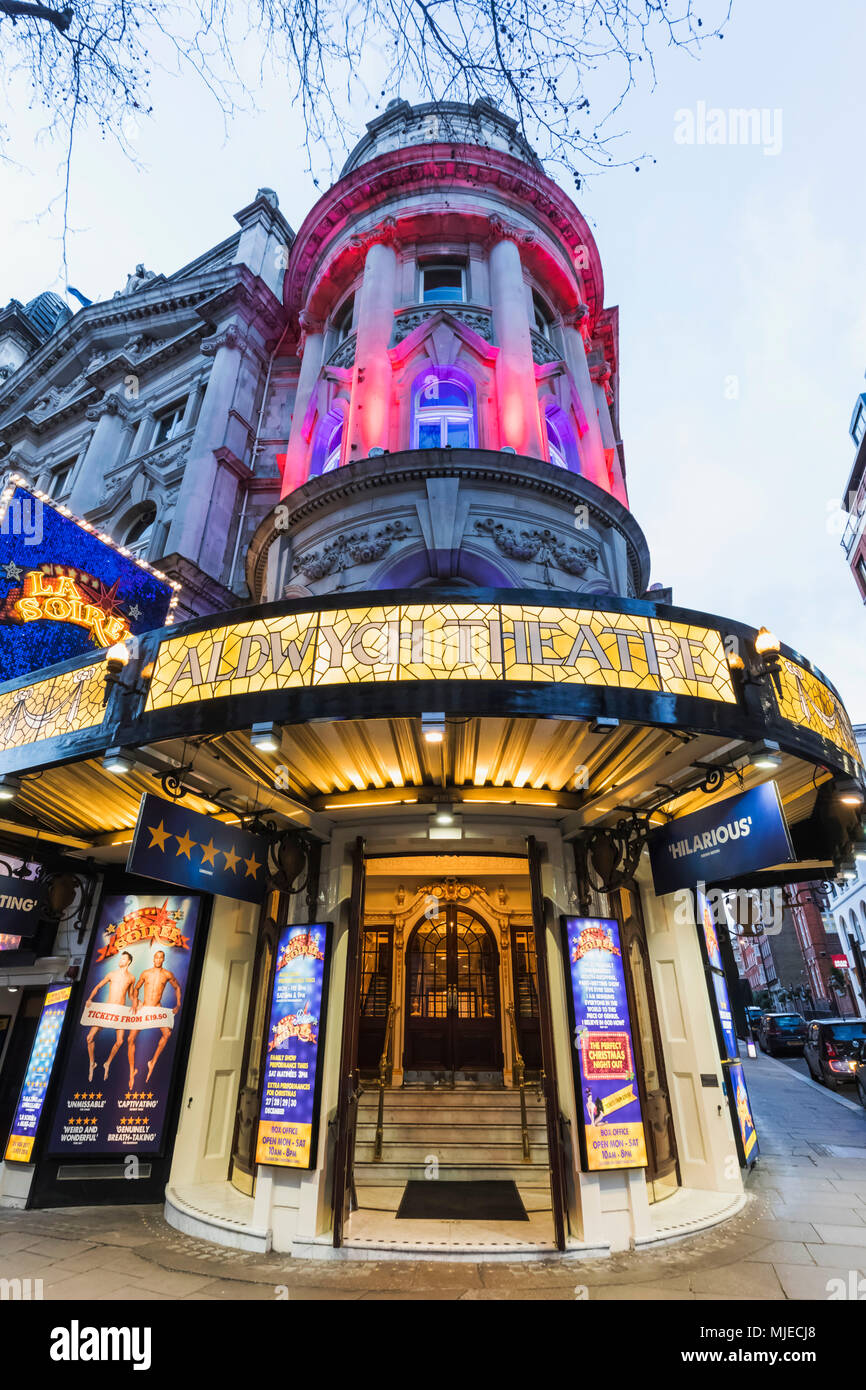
(404, 866)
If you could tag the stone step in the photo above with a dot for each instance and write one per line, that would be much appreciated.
(449, 1115)
(389, 1174)
(425, 1132)
(451, 1151)
(481, 1102)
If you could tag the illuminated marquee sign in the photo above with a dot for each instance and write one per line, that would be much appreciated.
(61, 704)
(806, 701)
(68, 598)
(66, 589)
(452, 641)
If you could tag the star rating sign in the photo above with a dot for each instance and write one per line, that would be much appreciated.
(253, 866)
(158, 835)
(208, 853)
(231, 859)
(184, 843)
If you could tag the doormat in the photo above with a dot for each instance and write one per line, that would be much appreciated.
(461, 1201)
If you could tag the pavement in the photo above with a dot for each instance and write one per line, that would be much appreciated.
(801, 1235)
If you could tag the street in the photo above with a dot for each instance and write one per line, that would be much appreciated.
(803, 1227)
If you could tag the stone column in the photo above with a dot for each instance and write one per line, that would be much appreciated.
(600, 373)
(311, 351)
(192, 511)
(143, 434)
(591, 444)
(110, 415)
(519, 414)
(370, 409)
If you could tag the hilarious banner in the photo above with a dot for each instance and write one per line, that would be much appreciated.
(117, 1083)
(611, 1125)
(38, 1074)
(288, 1124)
(734, 836)
(177, 845)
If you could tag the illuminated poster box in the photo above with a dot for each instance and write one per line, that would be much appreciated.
(289, 1117)
(116, 1092)
(66, 589)
(608, 1104)
(742, 1119)
(22, 1137)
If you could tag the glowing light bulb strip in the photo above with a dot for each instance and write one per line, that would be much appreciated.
(14, 480)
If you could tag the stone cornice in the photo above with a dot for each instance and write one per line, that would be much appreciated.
(510, 471)
(401, 171)
(384, 234)
(111, 404)
(211, 296)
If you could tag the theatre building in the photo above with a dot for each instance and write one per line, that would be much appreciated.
(398, 834)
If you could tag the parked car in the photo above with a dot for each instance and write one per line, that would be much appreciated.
(830, 1047)
(858, 1054)
(782, 1033)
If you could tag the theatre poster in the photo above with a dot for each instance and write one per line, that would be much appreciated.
(611, 1126)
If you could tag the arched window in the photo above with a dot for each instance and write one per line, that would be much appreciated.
(542, 315)
(328, 444)
(139, 535)
(560, 439)
(443, 413)
(342, 323)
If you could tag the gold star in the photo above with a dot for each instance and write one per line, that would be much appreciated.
(253, 866)
(158, 833)
(207, 853)
(231, 858)
(184, 843)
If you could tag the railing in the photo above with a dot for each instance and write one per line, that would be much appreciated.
(383, 1081)
(519, 1071)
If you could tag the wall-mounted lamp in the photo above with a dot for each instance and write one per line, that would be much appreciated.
(265, 737)
(767, 647)
(10, 786)
(433, 728)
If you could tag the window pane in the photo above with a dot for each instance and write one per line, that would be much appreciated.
(458, 434)
(443, 284)
(436, 392)
(429, 434)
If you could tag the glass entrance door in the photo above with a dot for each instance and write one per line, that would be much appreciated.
(452, 994)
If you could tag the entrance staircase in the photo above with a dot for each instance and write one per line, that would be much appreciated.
(473, 1132)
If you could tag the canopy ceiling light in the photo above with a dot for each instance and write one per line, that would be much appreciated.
(10, 786)
(765, 755)
(118, 760)
(433, 728)
(603, 725)
(265, 737)
(849, 792)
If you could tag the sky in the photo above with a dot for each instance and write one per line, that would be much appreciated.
(739, 269)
